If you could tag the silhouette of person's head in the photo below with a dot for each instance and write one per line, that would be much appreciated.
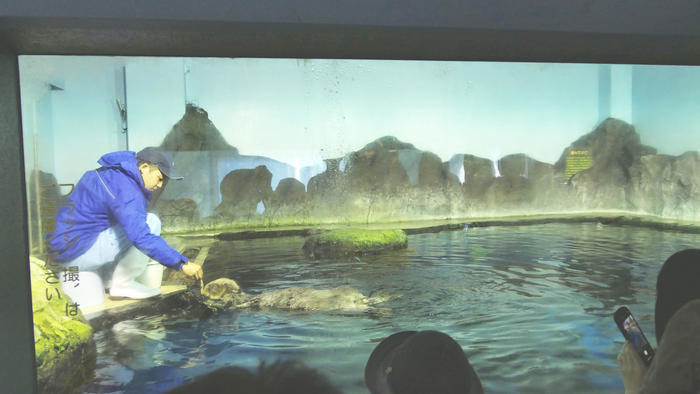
(676, 284)
(422, 362)
(289, 377)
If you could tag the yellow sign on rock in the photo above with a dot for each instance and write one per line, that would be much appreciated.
(577, 161)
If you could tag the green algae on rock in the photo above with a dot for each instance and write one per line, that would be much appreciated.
(353, 242)
(64, 347)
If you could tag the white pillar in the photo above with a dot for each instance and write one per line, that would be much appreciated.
(621, 92)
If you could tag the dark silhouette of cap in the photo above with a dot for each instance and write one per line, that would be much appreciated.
(676, 284)
(160, 158)
(425, 362)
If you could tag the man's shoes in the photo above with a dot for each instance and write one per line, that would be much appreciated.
(132, 289)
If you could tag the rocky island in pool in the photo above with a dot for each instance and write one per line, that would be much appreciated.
(353, 242)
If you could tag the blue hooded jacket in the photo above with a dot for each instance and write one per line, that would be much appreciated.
(110, 195)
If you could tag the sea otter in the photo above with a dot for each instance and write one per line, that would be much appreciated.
(342, 298)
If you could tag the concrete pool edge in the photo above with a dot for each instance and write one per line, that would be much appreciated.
(114, 310)
(436, 225)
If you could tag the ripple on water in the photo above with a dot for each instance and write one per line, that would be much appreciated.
(530, 305)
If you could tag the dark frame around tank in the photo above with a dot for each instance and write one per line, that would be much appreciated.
(488, 30)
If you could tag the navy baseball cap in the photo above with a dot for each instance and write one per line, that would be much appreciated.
(420, 362)
(160, 158)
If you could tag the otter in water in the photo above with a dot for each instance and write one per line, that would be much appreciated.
(342, 298)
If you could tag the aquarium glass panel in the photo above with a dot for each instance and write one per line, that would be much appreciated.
(191, 214)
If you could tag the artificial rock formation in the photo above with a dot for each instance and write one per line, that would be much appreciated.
(289, 200)
(328, 192)
(289, 192)
(243, 190)
(45, 199)
(377, 167)
(525, 185)
(666, 185)
(392, 180)
(195, 132)
(432, 173)
(479, 173)
(615, 148)
(330, 182)
(197, 147)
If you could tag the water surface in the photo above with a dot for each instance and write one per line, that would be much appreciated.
(531, 306)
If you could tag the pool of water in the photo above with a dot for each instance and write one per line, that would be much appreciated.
(531, 306)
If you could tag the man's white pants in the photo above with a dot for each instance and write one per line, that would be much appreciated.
(111, 261)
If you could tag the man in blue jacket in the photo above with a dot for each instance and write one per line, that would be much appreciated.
(106, 236)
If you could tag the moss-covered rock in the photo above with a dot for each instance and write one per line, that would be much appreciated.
(353, 242)
(65, 350)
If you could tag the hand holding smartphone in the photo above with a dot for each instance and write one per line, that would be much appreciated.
(633, 333)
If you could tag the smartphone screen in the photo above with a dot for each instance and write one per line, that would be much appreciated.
(633, 332)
